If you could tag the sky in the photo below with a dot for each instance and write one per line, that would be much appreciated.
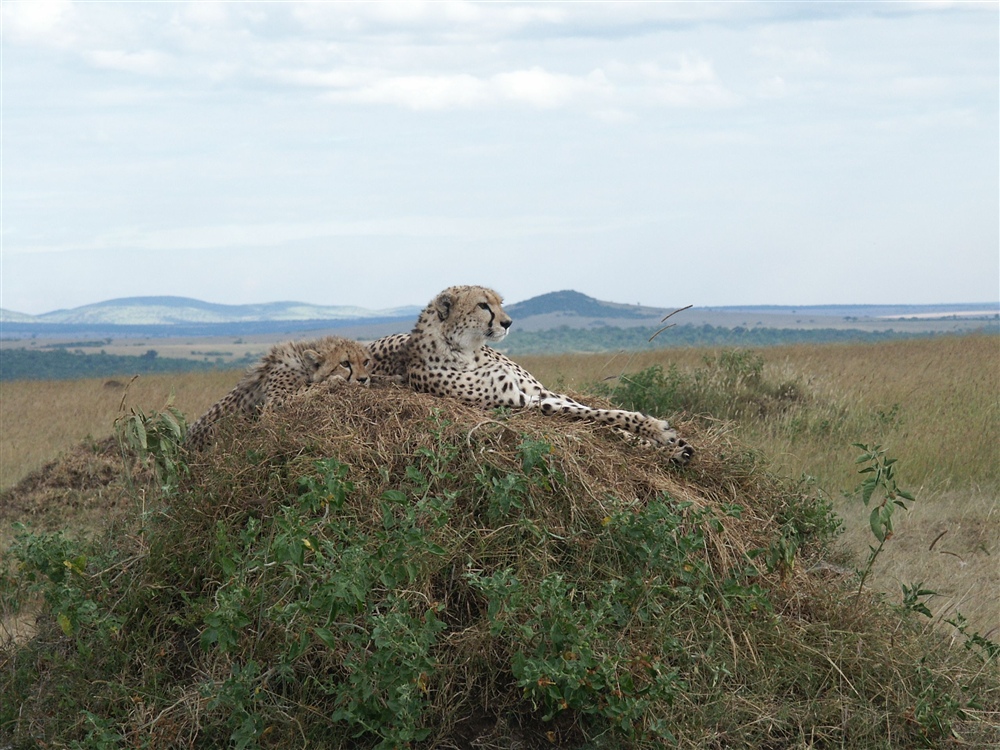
(372, 154)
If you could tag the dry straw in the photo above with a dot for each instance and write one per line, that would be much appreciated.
(378, 432)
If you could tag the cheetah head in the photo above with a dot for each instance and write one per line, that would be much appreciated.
(469, 316)
(334, 358)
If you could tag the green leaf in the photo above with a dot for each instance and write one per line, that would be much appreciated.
(327, 636)
(170, 421)
(875, 521)
(867, 490)
(228, 566)
(139, 433)
(394, 496)
(65, 623)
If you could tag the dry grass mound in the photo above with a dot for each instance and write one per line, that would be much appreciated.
(380, 568)
(86, 483)
(378, 433)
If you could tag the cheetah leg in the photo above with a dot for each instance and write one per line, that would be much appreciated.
(656, 430)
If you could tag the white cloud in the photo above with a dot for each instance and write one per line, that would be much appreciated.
(415, 55)
(249, 236)
(539, 88)
(205, 13)
(146, 62)
(693, 83)
(452, 18)
(418, 92)
(797, 56)
(613, 115)
(49, 22)
(339, 78)
(534, 87)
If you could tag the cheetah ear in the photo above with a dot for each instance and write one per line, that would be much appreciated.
(311, 356)
(443, 304)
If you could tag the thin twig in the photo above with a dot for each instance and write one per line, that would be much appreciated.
(121, 406)
(929, 549)
(679, 309)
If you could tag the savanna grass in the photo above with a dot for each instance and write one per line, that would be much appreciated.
(380, 568)
(41, 419)
(934, 404)
(934, 401)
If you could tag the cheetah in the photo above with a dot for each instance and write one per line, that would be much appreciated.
(446, 355)
(287, 369)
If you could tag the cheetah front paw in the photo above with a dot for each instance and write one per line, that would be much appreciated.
(680, 450)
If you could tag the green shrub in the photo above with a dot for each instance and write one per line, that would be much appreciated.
(730, 385)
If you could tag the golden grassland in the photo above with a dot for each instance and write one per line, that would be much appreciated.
(41, 419)
(934, 404)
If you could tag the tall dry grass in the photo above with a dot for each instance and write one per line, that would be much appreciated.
(39, 419)
(934, 404)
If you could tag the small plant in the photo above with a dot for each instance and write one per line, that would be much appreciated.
(804, 518)
(598, 646)
(912, 598)
(160, 435)
(989, 649)
(100, 735)
(881, 479)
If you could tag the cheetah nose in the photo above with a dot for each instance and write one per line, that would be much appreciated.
(363, 380)
(506, 323)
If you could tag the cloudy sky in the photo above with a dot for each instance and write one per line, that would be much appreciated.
(373, 153)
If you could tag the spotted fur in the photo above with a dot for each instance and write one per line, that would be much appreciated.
(446, 355)
(287, 369)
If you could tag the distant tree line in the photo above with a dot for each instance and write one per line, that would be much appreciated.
(59, 364)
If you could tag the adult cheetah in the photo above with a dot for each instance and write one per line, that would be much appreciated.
(287, 369)
(446, 355)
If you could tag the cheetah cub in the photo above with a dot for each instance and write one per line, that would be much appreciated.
(446, 355)
(287, 369)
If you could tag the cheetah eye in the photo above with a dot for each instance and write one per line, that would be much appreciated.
(484, 306)
(367, 363)
(346, 364)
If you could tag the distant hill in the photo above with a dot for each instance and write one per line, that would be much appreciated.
(146, 311)
(9, 316)
(575, 303)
